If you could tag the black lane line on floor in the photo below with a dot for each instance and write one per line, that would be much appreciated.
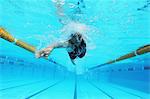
(129, 93)
(26, 84)
(43, 90)
(101, 90)
(146, 67)
(75, 90)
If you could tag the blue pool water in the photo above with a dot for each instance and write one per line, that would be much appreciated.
(112, 28)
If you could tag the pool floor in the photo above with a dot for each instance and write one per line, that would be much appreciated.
(66, 89)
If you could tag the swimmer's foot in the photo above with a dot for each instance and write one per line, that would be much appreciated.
(43, 53)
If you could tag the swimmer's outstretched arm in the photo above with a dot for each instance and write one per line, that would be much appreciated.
(46, 51)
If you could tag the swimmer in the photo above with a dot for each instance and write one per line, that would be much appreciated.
(75, 46)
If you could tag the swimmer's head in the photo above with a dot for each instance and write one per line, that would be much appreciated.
(76, 37)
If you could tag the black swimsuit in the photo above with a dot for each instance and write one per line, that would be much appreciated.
(79, 46)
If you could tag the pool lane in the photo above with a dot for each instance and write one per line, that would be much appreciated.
(18, 83)
(130, 91)
(25, 91)
(63, 90)
(87, 91)
(118, 92)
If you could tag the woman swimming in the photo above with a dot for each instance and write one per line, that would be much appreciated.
(75, 45)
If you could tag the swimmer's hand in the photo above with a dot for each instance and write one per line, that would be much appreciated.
(44, 53)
